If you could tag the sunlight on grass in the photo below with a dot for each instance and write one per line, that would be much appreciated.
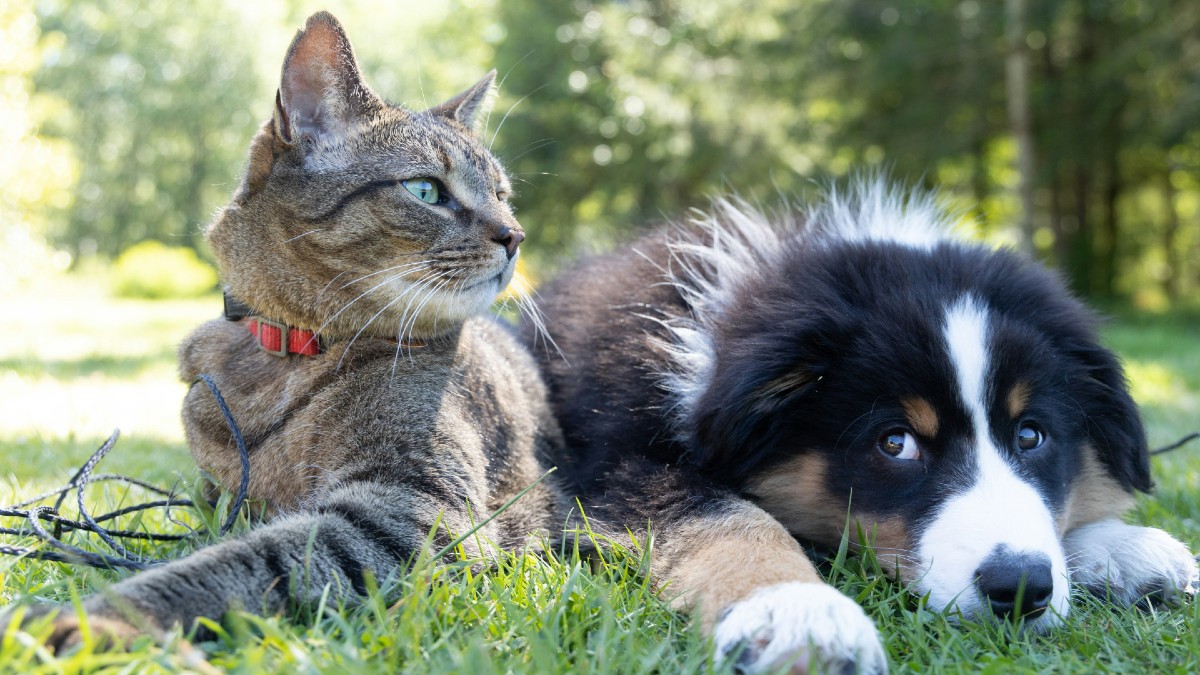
(75, 364)
(1153, 383)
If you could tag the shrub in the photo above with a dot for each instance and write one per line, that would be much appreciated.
(155, 271)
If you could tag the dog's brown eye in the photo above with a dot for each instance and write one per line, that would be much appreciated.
(900, 444)
(1030, 437)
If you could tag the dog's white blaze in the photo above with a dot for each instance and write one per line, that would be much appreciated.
(998, 509)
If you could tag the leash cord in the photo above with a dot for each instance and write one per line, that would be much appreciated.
(1177, 444)
(34, 513)
(125, 558)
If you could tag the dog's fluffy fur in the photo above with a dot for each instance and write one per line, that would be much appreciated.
(745, 379)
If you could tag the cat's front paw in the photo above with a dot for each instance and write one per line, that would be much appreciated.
(804, 627)
(1130, 564)
(67, 629)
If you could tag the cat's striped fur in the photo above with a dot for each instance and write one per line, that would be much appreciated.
(420, 417)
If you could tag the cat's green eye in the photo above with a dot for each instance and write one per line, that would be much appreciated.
(425, 189)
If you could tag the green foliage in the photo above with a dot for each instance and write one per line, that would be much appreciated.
(639, 109)
(154, 271)
(613, 115)
(159, 108)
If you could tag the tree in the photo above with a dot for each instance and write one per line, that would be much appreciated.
(1017, 71)
(34, 179)
(158, 111)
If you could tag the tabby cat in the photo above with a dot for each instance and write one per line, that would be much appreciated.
(364, 241)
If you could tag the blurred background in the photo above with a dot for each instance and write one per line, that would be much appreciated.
(1071, 127)
(1068, 127)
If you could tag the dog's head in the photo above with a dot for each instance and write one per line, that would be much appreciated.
(952, 400)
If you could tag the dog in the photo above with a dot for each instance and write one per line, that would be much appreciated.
(733, 384)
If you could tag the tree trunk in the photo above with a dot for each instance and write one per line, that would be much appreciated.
(1052, 76)
(194, 218)
(1017, 72)
(1173, 280)
(1062, 238)
(1079, 119)
(1082, 247)
(1109, 253)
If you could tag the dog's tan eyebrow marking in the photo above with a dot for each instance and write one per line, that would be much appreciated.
(1018, 398)
(921, 416)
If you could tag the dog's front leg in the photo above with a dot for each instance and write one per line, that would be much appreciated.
(1129, 564)
(739, 571)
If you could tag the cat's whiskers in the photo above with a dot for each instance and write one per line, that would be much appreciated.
(437, 315)
(385, 271)
(421, 86)
(383, 309)
(452, 301)
(410, 315)
(504, 303)
(510, 109)
(524, 295)
(488, 118)
(400, 338)
(454, 291)
(535, 145)
(288, 241)
(360, 297)
(329, 283)
(409, 324)
(517, 176)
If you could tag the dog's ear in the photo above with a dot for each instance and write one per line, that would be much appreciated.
(1114, 425)
(742, 413)
(1096, 386)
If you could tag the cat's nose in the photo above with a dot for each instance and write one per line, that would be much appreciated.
(510, 238)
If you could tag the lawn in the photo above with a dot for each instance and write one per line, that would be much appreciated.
(75, 363)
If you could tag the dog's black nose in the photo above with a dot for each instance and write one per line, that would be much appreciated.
(1016, 584)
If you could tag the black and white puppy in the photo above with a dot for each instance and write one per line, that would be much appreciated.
(744, 380)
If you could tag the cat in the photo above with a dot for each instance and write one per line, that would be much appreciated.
(367, 240)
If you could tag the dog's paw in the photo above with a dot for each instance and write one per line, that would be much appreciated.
(1130, 564)
(804, 627)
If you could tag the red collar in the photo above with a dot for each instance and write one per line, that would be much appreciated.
(270, 335)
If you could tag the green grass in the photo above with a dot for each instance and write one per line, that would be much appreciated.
(75, 363)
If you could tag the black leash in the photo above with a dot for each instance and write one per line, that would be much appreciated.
(1177, 444)
(34, 514)
(243, 452)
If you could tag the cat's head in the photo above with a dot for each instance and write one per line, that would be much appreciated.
(359, 215)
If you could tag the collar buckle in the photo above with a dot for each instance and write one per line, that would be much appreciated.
(283, 329)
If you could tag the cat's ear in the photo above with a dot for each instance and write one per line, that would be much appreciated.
(471, 106)
(321, 92)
